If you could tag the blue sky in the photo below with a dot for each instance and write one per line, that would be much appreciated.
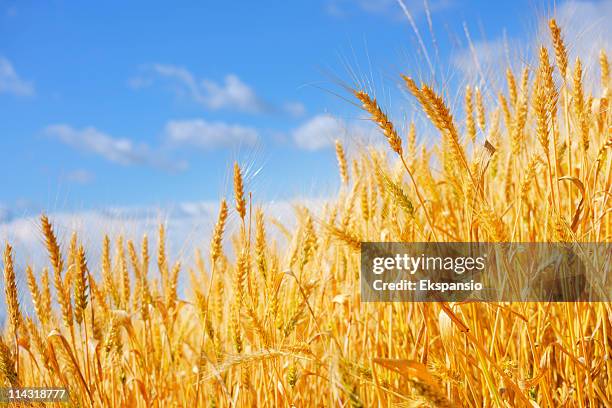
(147, 103)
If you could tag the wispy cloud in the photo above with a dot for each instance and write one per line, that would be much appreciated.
(117, 150)
(209, 135)
(232, 93)
(295, 109)
(10, 82)
(583, 25)
(321, 131)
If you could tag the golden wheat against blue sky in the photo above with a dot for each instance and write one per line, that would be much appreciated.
(149, 103)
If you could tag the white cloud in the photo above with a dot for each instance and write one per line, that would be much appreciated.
(321, 131)
(184, 225)
(118, 150)
(231, 93)
(189, 226)
(209, 135)
(10, 82)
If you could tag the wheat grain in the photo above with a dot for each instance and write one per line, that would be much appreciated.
(380, 118)
(10, 291)
(342, 166)
(469, 114)
(239, 192)
(559, 45)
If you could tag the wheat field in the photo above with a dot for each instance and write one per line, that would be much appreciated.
(278, 322)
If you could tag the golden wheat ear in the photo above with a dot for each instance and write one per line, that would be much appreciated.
(342, 166)
(80, 285)
(37, 297)
(53, 248)
(10, 291)
(559, 46)
(216, 248)
(239, 192)
(379, 117)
